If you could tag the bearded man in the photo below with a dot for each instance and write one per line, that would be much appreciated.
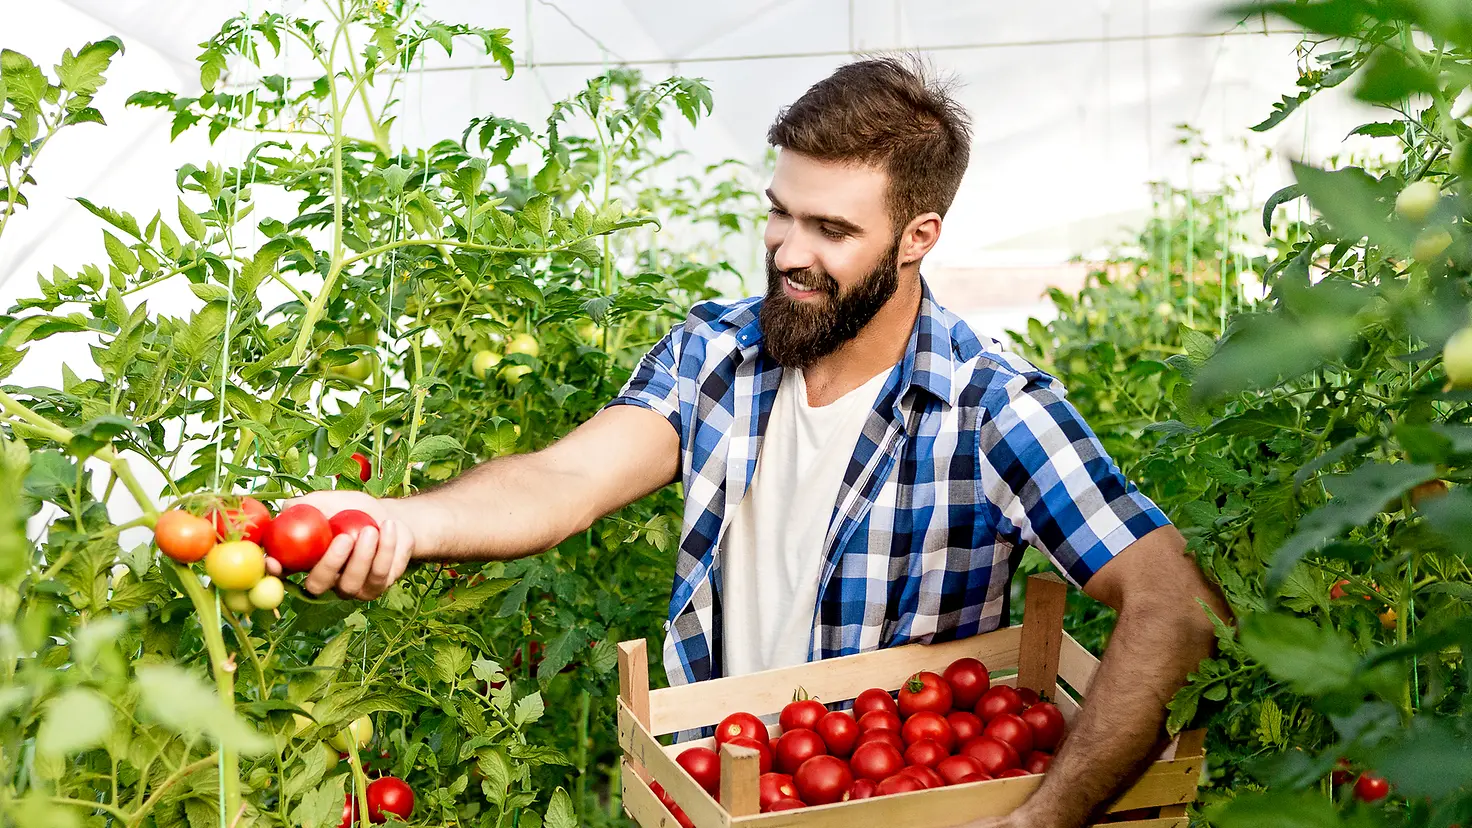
(860, 469)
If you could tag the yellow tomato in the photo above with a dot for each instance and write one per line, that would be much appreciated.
(237, 565)
(512, 374)
(1458, 359)
(1417, 200)
(1431, 245)
(523, 344)
(483, 361)
(302, 722)
(360, 730)
(268, 593)
(236, 601)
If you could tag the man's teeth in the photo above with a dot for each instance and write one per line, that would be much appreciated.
(796, 284)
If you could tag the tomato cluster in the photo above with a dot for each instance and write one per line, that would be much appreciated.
(938, 729)
(235, 540)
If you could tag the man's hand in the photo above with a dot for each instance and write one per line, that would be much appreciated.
(360, 566)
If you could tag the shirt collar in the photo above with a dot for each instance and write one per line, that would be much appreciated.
(938, 343)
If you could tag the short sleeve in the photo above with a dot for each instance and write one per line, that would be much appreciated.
(655, 382)
(1055, 485)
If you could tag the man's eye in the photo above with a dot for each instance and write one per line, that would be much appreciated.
(773, 211)
(833, 234)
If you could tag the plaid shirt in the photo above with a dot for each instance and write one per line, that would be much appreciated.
(969, 455)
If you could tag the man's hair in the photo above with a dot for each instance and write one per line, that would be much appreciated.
(886, 112)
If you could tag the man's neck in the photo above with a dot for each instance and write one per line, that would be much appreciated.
(877, 348)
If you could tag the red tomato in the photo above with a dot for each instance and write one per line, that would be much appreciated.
(389, 795)
(874, 699)
(802, 715)
(787, 805)
(1011, 772)
(774, 786)
(365, 468)
(862, 789)
(183, 537)
(1037, 762)
(925, 691)
(932, 726)
(840, 733)
(1047, 725)
(664, 798)
(998, 700)
(898, 784)
(764, 752)
(968, 679)
(349, 811)
(993, 755)
(953, 768)
(1370, 788)
(876, 761)
(247, 522)
(925, 752)
(1010, 728)
(926, 776)
(965, 726)
(679, 814)
(796, 747)
(741, 724)
(974, 777)
(888, 737)
(879, 720)
(1343, 773)
(1029, 697)
(704, 766)
(823, 780)
(351, 522)
(298, 537)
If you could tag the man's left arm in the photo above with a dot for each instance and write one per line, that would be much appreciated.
(1161, 635)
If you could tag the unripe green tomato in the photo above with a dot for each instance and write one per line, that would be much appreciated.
(363, 336)
(1462, 159)
(1430, 246)
(1164, 310)
(236, 601)
(591, 332)
(1417, 200)
(523, 344)
(259, 778)
(302, 722)
(360, 730)
(267, 594)
(483, 361)
(237, 565)
(332, 757)
(512, 374)
(1458, 359)
(358, 370)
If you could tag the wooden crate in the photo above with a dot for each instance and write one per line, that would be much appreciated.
(1035, 654)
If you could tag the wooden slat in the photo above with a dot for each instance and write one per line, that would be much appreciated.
(640, 748)
(633, 684)
(704, 703)
(960, 804)
(1181, 822)
(641, 804)
(740, 791)
(1076, 665)
(1189, 743)
(1042, 633)
(1167, 782)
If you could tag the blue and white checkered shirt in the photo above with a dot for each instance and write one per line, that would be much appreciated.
(970, 455)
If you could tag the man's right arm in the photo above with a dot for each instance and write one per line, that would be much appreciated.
(506, 508)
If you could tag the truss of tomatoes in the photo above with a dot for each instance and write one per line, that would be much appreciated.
(235, 537)
(937, 730)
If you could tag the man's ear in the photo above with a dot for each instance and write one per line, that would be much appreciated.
(920, 235)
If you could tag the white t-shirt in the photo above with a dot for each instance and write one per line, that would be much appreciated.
(772, 552)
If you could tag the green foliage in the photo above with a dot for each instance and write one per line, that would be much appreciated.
(1311, 444)
(349, 325)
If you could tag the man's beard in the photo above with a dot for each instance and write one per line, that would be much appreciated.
(799, 333)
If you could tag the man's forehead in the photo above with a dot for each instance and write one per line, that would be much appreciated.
(803, 183)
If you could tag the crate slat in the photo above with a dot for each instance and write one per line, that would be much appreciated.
(1076, 665)
(641, 748)
(641, 804)
(705, 703)
(1167, 782)
(1042, 632)
(740, 772)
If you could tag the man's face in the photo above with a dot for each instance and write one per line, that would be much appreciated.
(831, 256)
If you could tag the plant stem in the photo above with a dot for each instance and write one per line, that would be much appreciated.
(223, 667)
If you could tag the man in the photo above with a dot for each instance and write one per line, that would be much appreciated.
(860, 470)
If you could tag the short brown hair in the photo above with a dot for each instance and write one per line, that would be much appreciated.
(887, 112)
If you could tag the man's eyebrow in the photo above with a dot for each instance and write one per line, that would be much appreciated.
(838, 222)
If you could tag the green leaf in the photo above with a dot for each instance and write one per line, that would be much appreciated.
(323, 806)
(1281, 196)
(1428, 759)
(559, 811)
(181, 702)
(528, 709)
(78, 719)
(1314, 661)
(1388, 77)
(82, 74)
(209, 292)
(1279, 809)
(121, 256)
(471, 598)
(191, 222)
(120, 220)
(1355, 205)
(434, 447)
(561, 651)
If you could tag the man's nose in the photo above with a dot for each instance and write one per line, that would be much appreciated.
(793, 253)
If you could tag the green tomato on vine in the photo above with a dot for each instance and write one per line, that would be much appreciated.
(523, 344)
(483, 361)
(1458, 359)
